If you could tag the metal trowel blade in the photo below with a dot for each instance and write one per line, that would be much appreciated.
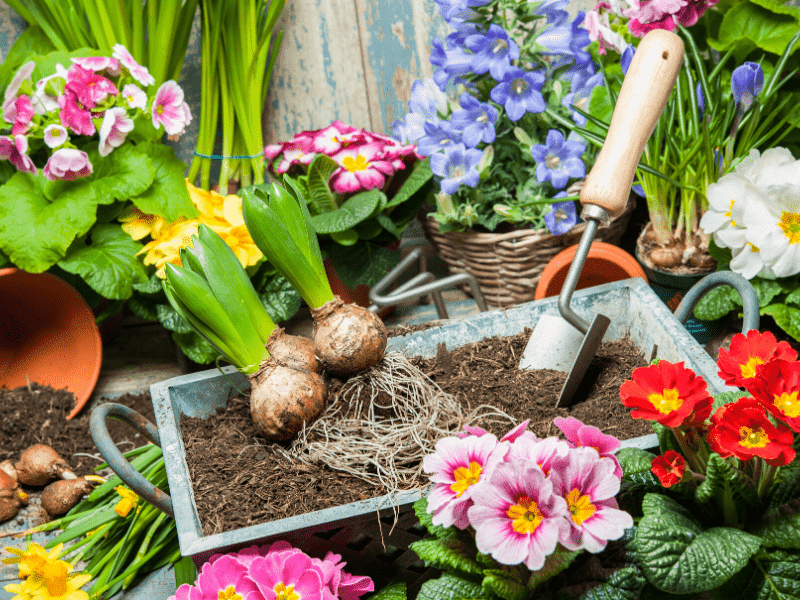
(554, 344)
(591, 343)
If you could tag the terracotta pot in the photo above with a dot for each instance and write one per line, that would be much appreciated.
(604, 264)
(47, 335)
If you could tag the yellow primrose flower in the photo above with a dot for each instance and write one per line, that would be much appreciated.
(127, 502)
(55, 581)
(165, 249)
(31, 558)
(208, 203)
(20, 590)
(243, 246)
(138, 224)
(232, 209)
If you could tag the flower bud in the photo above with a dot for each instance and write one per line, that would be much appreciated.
(746, 83)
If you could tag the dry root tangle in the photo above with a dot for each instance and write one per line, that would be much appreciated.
(383, 422)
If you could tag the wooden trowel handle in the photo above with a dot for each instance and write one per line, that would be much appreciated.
(644, 94)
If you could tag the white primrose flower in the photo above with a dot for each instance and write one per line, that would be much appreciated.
(776, 166)
(727, 200)
(774, 228)
(748, 262)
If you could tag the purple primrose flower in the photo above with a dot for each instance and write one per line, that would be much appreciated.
(438, 136)
(580, 95)
(476, 121)
(519, 92)
(558, 160)
(457, 166)
(492, 52)
(562, 216)
(554, 11)
(568, 41)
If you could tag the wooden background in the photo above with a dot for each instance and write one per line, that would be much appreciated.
(351, 60)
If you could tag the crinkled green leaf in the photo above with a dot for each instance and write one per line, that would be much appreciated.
(279, 298)
(35, 233)
(348, 237)
(393, 591)
(624, 584)
(793, 297)
(108, 264)
(170, 319)
(451, 586)
(717, 303)
(786, 317)
(679, 557)
(168, 195)
(723, 398)
(144, 306)
(504, 584)
(764, 24)
(426, 520)
(365, 263)
(771, 575)
(722, 482)
(420, 175)
(356, 209)
(554, 563)
(151, 287)
(320, 196)
(721, 255)
(369, 229)
(195, 347)
(780, 525)
(634, 461)
(447, 554)
(786, 486)
(766, 290)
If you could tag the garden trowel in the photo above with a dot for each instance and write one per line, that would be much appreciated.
(568, 343)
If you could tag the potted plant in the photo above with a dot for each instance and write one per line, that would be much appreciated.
(362, 189)
(503, 164)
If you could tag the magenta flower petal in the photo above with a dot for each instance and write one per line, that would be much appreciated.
(169, 109)
(114, 129)
(67, 163)
(137, 71)
(541, 452)
(578, 435)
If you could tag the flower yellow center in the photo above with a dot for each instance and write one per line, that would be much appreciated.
(753, 247)
(484, 118)
(730, 212)
(666, 402)
(359, 163)
(749, 369)
(525, 515)
(54, 574)
(788, 404)
(580, 507)
(160, 109)
(229, 593)
(465, 477)
(519, 86)
(285, 592)
(551, 161)
(790, 223)
(750, 438)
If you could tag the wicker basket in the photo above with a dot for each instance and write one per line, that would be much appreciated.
(508, 265)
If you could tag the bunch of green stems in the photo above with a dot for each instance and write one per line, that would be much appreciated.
(115, 548)
(692, 148)
(239, 49)
(156, 32)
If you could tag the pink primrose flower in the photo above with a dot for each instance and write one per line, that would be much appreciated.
(578, 435)
(170, 110)
(361, 169)
(14, 149)
(272, 150)
(10, 96)
(337, 584)
(649, 11)
(114, 129)
(588, 484)
(137, 71)
(516, 516)
(286, 574)
(351, 587)
(22, 120)
(639, 29)
(295, 153)
(335, 137)
(691, 13)
(456, 466)
(540, 452)
(55, 135)
(43, 102)
(134, 96)
(73, 115)
(90, 88)
(222, 579)
(99, 63)
(67, 163)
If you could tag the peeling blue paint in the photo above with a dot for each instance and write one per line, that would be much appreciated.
(326, 52)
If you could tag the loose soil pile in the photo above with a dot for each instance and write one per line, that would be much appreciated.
(239, 481)
(36, 414)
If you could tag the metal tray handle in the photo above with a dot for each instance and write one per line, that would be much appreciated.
(709, 282)
(109, 451)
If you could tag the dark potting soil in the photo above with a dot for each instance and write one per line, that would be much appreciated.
(239, 481)
(36, 414)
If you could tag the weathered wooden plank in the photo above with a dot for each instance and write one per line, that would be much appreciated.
(319, 76)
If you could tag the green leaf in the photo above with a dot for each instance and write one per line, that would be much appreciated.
(724, 483)
(634, 461)
(108, 264)
(451, 586)
(322, 199)
(679, 557)
(33, 42)
(348, 237)
(723, 398)
(279, 298)
(143, 306)
(793, 297)
(624, 584)
(365, 263)
(786, 317)
(554, 564)
(369, 229)
(354, 210)
(601, 106)
(393, 591)
(766, 290)
(764, 24)
(171, 319)
(771, 575)
(46, 63)
(3, 259)
(168, 195)
(504, 584)
(426, 520)
(150, 287)
(420, 175)
(785, 488)
(185, 572)
(780, 525)
(35, 232)
(717, 303)
(195, 347)
(666, 439)
(447, 554)
(389, 225)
